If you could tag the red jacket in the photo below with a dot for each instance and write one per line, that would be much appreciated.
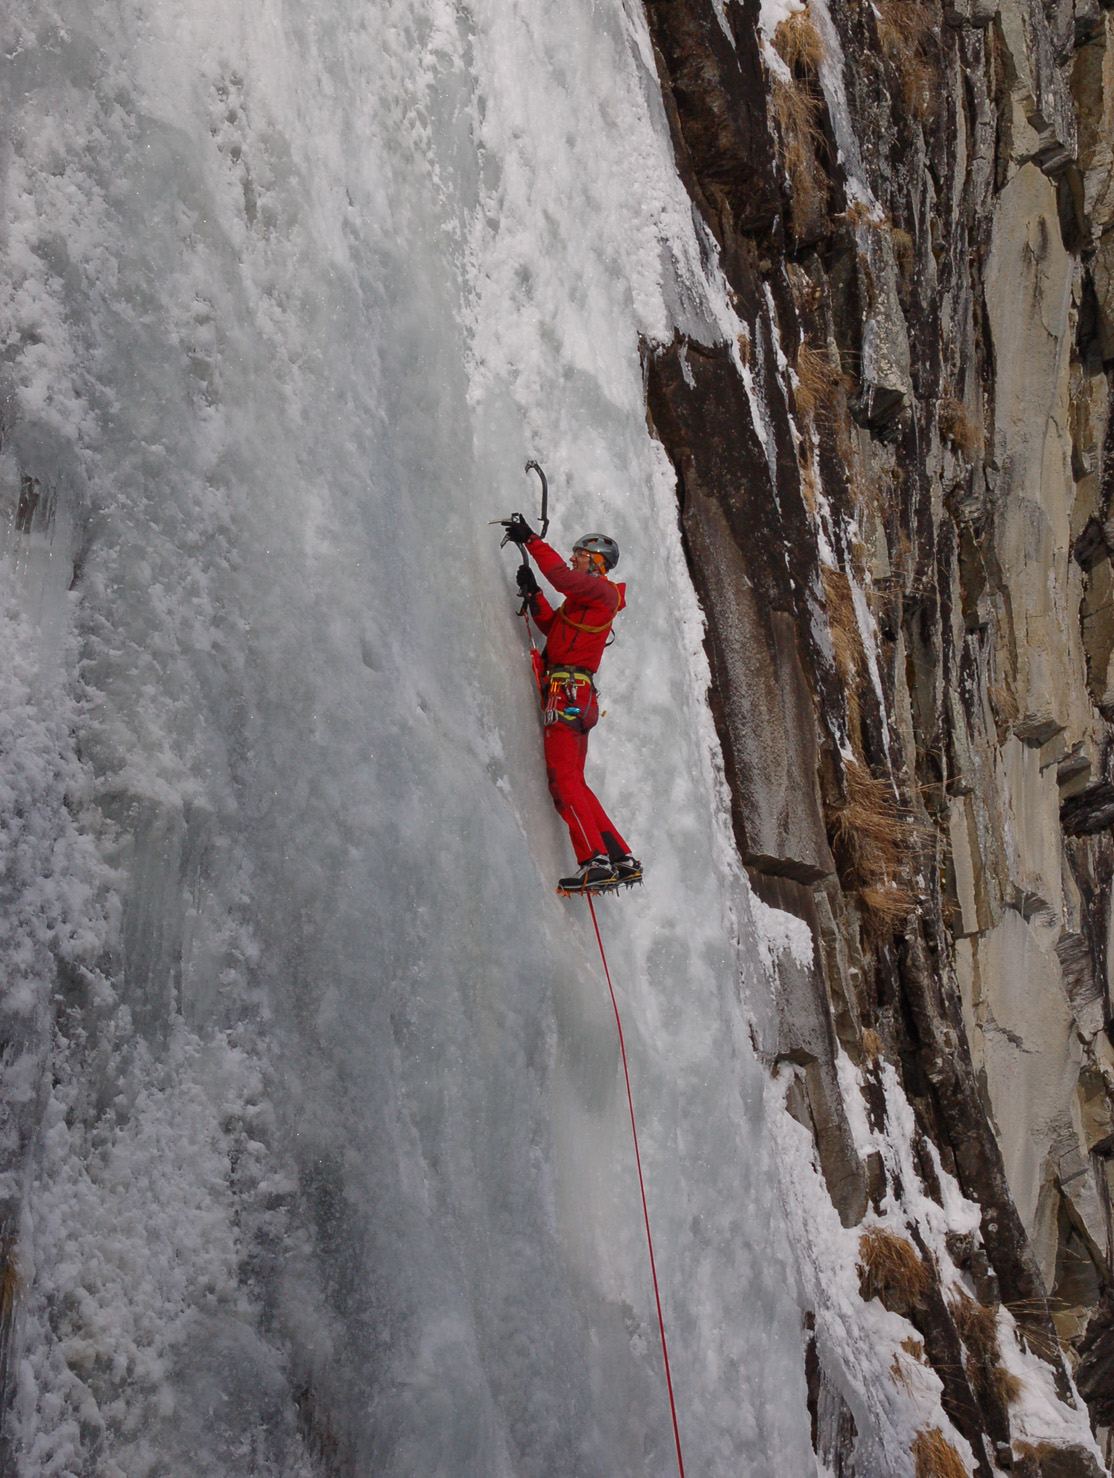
(577, 633)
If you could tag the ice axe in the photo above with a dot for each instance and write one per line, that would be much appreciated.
(531, 466)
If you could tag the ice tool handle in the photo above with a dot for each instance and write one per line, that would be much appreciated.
(517, 519)
(507, 524)
(532, 466)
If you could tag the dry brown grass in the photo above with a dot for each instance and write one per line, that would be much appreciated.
(935, 1457)
(905, 254)
(1030, 1314)
(797, 41)
(872, 1045)
(900, 1375)
(858, 213)
(1040, 1453)
(818, 381)
(1007, 1386)
(977, 1326)
(907, 36)
(891, 1268)
(843, 623)
(898, 1369)
(957, 426)
(873, 838)
(888, 906)
(809, 487)
(869, 829)
(1004, 705)
(797, 108)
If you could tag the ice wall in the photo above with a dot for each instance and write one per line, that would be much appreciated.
(316, 1148)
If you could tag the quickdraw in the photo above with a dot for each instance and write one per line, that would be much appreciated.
(564, 702)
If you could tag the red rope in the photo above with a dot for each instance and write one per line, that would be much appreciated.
(642, 1188)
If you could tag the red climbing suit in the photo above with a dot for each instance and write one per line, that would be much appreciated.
(576, 635)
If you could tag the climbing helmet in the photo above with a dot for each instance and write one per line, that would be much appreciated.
(599, 544)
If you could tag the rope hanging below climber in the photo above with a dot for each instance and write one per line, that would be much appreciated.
(576, 635)
(642, 1189)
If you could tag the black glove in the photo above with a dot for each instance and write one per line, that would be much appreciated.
(527, 585)
(518, 530)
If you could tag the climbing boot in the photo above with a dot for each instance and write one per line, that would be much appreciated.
(628, 870)
(597, 875)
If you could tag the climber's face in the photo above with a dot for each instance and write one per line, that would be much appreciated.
(581, 561)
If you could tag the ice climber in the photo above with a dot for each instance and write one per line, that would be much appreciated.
(576, 634)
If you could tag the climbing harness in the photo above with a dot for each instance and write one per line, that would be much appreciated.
(642, 1189)
(569, 696)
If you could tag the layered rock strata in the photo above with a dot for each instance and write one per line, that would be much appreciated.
(896, 494)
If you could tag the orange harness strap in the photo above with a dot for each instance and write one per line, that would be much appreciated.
(583, 626)
(594, 630)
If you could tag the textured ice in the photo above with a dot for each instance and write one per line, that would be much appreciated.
(333, 1160)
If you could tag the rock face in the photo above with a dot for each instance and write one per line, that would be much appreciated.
(896, 488)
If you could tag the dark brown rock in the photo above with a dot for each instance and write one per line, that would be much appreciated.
(718, 93)
(898, 523)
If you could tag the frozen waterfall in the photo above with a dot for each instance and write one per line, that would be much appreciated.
(315, 1151)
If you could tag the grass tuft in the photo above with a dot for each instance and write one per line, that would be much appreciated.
(887, 906)
(957, 427)
(905, 253)
(977, 1326)
(1030, 1314)
(818, 381)
(873, 838)
(1008, 1386)
(869, 831)
(935, 1457)
(907, 36)
(872, 1045)
(891, 1268)
(797, 41)
(797, 106)
(843, 624)
(899, 1369)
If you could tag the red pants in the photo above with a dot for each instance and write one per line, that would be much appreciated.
(565, 752)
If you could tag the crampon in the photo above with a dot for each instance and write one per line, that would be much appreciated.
(600, 875)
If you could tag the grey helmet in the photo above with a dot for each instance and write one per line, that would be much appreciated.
(602, 545)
